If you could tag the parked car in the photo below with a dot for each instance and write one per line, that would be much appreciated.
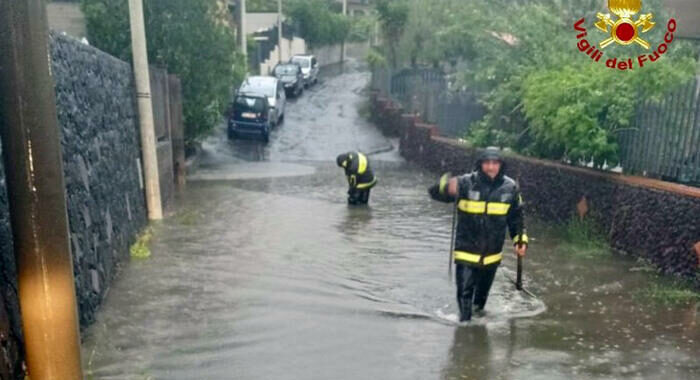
(291, 77)
(250, 115)
(309, 67)
(269, 87)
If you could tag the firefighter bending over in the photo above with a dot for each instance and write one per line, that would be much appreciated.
(487, 202)
(360, 177)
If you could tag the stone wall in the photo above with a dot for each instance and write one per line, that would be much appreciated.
(100, 139)
(10, 326)
(649, 219)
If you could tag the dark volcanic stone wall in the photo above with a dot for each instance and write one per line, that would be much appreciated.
(10, 325)
(650, 219)
(106, 206)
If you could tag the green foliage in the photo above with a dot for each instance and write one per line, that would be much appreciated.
(317, 23)
(361, 28)
(140, 250)
(671, 292)
(564, 126)
(375, 58)
(190, 38)
(261, 6)
(392, 15)
(543, 96)
(582, 238)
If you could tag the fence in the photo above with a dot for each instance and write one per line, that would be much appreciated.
(426, 92)
(663, 142)
(166, 97)
(665, 139)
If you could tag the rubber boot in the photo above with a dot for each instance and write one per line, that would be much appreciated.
(465, 280)
(484, 280)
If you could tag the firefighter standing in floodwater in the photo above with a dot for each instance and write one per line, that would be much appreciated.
(487, 202)
(361, 179)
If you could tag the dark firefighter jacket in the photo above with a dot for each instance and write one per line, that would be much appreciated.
(485, 208)
(358, 171)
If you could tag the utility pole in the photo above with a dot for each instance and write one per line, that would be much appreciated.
(342, 45)
(36, 190)
(143, 94)
(241, 23)
(279, 29)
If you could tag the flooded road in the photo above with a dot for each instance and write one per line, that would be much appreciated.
(264, 272)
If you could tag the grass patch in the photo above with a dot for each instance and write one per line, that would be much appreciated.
(139, 249)
(582, 238)
(670, 292)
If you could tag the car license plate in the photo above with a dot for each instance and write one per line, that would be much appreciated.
(248, 115)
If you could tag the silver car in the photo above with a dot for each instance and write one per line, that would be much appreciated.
(270, 87)
(309, 67)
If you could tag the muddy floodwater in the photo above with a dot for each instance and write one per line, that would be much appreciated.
(262, 271)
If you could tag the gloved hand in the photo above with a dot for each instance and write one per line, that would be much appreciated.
(444, 182)
(352, 181)
(439, 192)
(434, 191)
(520, 242)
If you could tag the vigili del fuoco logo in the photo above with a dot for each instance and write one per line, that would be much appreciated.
(625, 29)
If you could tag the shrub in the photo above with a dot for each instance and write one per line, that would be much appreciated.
(317, 23)
(190, 38)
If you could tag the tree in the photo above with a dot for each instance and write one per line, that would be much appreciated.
(393, 15)
(190, 38)
(318, 25)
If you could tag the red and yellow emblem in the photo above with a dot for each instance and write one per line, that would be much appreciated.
(625, 31)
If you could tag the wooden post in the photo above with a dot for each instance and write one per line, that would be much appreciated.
(36, 191)
(143, 94)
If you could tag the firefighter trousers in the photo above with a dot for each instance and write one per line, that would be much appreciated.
(473, 286)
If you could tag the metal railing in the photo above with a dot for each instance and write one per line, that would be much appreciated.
(426, 92)
(664, 141)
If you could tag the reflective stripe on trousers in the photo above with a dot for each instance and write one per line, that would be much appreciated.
(476, 258)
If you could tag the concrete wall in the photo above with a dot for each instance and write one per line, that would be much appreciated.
(329, 55)
(101, 151)
(289, 49)
(649, 219)
(66, 17)
(256, 22)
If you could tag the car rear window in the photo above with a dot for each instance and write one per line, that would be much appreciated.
(303, 62)
(249, 104)
(286, 70)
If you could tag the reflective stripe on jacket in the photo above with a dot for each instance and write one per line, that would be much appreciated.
(485, 209)
(358, 171)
